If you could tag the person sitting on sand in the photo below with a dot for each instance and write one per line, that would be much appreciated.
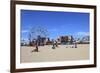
(36, 45)
(56, 43)
(53, 43)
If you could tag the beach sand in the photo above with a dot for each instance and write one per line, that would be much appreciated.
(61, 53)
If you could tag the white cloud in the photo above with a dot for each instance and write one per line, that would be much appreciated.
(83, 33)
(24, 31)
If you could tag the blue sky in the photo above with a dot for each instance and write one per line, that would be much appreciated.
(57, 23)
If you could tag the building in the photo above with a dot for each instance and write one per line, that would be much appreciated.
(65, 40)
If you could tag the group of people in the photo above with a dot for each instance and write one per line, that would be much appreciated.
(73, 45)
(54, 45)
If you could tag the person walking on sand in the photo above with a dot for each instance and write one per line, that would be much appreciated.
(75, 44)
(36, 46)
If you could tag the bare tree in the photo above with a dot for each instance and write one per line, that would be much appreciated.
(36, 33)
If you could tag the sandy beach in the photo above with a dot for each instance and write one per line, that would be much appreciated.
(61, 53)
